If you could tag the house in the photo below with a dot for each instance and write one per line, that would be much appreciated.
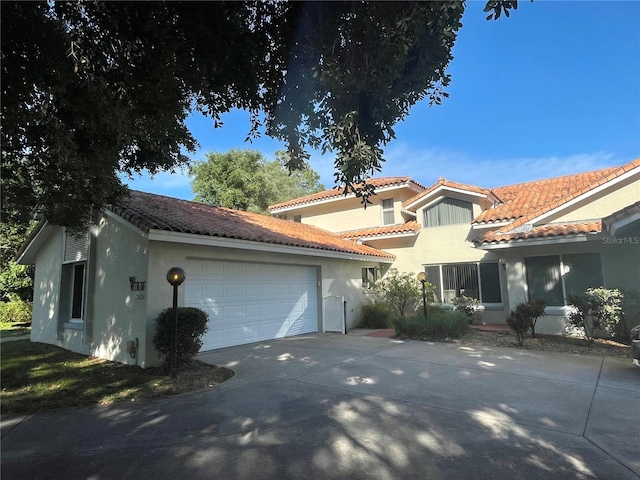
(261, 277)
(258, 277)
(546, 239)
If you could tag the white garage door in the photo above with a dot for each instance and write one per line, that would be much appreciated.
(251, 302)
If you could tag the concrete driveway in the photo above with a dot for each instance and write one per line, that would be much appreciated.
(336, 407)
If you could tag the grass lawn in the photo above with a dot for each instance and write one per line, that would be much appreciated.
(38, 377)
(8, 329)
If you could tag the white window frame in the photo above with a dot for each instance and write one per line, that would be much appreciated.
(80, 258)
(486, 305)
(368, 285)
(387, 210)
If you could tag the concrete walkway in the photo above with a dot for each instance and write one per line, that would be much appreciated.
(347, 406)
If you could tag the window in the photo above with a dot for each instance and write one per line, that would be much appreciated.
(77, 292)
(448, 211)
(476, 280)
(553, 278)
(369, 277)
(387, 212)
(73, 281)
(297, 218)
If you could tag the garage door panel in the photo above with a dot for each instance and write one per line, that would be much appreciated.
(251, 302)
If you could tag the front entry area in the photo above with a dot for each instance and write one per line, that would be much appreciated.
(252, 302)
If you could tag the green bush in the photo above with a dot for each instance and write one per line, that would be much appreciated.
(375, 315)
(630, 315)
(192, 324)
(15, 310)
(595, 310)
(403, 292)
(468, 306)
(437, 326)
(523, 317)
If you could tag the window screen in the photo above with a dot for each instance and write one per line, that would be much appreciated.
(449, 211)
(543, 279)
(387, 212)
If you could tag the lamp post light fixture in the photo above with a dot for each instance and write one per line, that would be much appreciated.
(175, 276)
(422, 276)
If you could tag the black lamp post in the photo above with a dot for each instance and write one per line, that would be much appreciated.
(422, 276)
(175, 277)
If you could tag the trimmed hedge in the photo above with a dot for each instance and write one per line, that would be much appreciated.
(375, 315)
(192, 324)
(439, 325)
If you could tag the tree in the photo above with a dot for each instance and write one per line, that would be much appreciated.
(16, 281)
(402, 291)
(244, 180)
(95, 89)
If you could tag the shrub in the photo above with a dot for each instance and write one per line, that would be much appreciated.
(468, 306)
(441, 325)
(401, 291)
(595, 310)
(15, 310)
(630, 315)
(192, 324)
(523, 317)
(374, 315)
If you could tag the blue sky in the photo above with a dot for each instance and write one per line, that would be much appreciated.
(552, 90)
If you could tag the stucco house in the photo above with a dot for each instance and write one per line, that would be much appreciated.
(257, 277)
(261, 277)
(544, 239)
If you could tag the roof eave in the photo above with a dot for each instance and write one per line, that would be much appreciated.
(214, 241)
(536, 241)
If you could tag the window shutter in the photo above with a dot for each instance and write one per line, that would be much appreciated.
(76, 247)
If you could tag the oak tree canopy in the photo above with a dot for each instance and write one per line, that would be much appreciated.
(91, 90)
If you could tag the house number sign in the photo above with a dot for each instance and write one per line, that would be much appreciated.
(136, 286)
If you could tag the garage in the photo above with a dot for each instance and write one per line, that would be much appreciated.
(252, 302)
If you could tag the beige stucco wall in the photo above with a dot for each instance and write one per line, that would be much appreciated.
(119, 314)
(603, 203)
(113, 313)
(46, 296)
(349, 214)
(619, 270)
(341, 277)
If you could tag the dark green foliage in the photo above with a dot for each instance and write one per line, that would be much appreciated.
(596, 310)
(192, 324)
(375, 315)
(16, 281)
(438, 326)
(92, 90)
(630, 315)
(242, 179)
(523, 317)
(15, 310)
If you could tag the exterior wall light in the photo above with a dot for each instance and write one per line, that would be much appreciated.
(175, 276)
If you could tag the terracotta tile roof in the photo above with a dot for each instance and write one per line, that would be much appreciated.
(443, 182)
(551, 230)
(390, 230)
(338, 192)
(156, 212)
(525, 201)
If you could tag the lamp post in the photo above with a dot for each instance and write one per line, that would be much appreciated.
(175, 276)
(422, 276)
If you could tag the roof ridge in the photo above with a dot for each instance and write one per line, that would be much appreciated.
(339, 190)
